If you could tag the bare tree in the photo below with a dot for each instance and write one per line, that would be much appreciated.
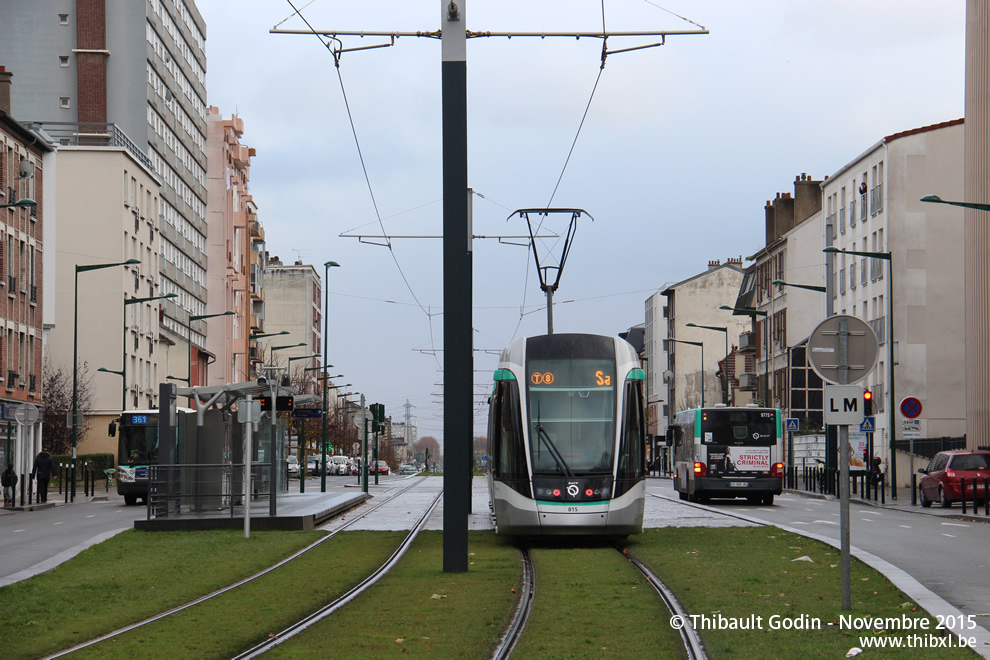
(56, 397)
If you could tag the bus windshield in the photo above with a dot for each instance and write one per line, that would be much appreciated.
(138, 442)
(741, 428)
(571, 415)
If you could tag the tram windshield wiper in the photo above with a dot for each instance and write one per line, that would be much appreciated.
(561, 463)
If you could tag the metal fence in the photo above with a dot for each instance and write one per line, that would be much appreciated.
(204, 489)
(928, 447)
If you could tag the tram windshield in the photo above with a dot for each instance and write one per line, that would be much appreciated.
(571, 416)
(138, 439)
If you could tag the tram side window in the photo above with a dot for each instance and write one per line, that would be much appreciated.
(632, 440)
(510, 458)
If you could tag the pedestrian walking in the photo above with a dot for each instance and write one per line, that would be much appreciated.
(44, 468)
(9, 482)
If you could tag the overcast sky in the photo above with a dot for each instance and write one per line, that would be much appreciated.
(681, 148)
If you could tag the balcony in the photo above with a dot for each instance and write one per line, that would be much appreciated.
(747, 342)
(748, 381)
(876, 199)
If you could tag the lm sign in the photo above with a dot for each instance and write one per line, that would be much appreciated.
(843, 404)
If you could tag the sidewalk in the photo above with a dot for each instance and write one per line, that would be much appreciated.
(903, 503)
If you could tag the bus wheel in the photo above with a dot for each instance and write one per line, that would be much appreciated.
(130, 500)
(768, 499)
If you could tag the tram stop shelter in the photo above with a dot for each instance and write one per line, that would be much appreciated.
(199, 480)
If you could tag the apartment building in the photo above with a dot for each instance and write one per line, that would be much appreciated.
(293, 305)
(22, 177)
(915, 281)
(105, 73)
(235, 249)
(693, 351)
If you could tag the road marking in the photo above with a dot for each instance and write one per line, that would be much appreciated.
(92, 515)
(58, 523)
(877, 513)
(955, 525)
(905, 526)
(799, 522)
(18, 530)
(868, 519)
(826, 522)
(806, 509)
(951, 536)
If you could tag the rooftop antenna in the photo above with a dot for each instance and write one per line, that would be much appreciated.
(548, 272)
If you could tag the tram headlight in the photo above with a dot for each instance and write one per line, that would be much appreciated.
(125, 475)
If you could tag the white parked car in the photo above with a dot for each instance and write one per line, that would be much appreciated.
(339, 466)
(293, 464)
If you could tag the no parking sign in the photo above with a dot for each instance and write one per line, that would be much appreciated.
(910, 407)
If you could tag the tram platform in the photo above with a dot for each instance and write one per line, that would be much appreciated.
(293, 511)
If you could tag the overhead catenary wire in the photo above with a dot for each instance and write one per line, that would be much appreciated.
(364, 168)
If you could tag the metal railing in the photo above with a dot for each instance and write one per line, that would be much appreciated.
(204, 489)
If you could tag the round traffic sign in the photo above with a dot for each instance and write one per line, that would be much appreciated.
(843, 349)
(910, 407)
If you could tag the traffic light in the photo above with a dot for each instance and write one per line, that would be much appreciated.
(867, 403)
(377, 417)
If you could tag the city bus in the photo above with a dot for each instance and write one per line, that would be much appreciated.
(137, 449)
(728, 452)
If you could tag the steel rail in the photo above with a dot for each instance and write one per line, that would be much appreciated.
(519, 618)
(689, 636)
(332, 607)
(230, 587)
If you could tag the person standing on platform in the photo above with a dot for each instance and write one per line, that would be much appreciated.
(44, 467)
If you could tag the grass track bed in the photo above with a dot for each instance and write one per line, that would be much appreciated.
(230, 623)
(127, 578)
(416, 610)
(744, 572)
(592, 603)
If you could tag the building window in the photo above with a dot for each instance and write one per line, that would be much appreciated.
(63, 60)
(63, 19)
(63, 102)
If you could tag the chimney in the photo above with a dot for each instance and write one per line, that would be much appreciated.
(713, 264)
(5, 86)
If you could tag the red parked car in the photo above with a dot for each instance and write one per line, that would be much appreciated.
(941, 480)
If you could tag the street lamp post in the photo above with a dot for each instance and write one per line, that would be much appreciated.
(700, 344)
(790, 434)
(326, 353)
(282, 348)
(201, 317)
(752, 313)
(75, 352)
(24, 201)
(725, 331)
(123, 368)
(886, 256)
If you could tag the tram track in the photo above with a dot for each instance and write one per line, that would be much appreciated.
(230, 588)
(689, 636)
(330, 608)
(514, 631)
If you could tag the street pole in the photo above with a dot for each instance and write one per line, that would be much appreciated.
(457, 278)
(326, 358)
(366, 467)
(844, 471)
(890, 368)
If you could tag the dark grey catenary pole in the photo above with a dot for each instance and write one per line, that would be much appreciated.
(458, 362)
